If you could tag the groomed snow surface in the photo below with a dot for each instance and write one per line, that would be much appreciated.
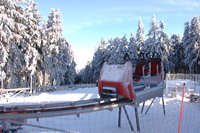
(106, 121)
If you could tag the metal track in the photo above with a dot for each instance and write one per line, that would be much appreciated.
(45, 106)
(43, 88)
(59, 109)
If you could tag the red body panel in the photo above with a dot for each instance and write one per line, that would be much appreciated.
(155, 66)
(122, 81)
(142, 63)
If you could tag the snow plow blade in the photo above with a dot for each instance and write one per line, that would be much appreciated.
(115, 80)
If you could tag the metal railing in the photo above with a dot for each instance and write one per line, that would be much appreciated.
(174, 82)
(192, 77)
(28, 90)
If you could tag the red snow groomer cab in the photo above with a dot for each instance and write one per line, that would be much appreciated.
(138, 80)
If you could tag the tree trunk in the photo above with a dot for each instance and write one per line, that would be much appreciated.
(44, 77)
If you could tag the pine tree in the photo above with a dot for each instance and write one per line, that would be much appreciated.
(193, 47)
(185, 40)
(56, 64)
(33, 40)
(33, 24)
(163, 47)
(6, 27)
(100, 56)
(120, 46)
(152, 36)
(140, 35)
(25, 47)
(112, 48)
(14, 67)
(87, 74)
(68, 57)
(12, 14)
(132, 48)
(186, 34)
(177, 55)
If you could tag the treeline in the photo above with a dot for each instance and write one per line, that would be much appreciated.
(179, 54)
(30, 46)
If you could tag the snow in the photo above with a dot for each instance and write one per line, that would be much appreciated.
(178, 83)
(49, 97)
(115, 73)
(106, 121)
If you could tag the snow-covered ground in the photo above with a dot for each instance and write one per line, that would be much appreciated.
(106, 121)
(51, 97)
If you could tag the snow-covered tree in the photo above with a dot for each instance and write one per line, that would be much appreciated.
(152, 36)
(177, 54)
(3, 59)
(26, 48)
(55, 63)
(186, 34)
(100, 56)
(164, 47)
(31, 57)
(68, 57)
(193, 47)
(132, 48)
(185, 41)
(33, 24)
(14, 67)
(159, 42)
(6, 36)
(12, 38)
(33, 42)
(87, 74)
(140, 35)
(118, 52)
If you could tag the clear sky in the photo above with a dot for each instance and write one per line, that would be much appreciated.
(86, 21)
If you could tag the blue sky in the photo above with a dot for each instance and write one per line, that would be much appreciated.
(86, 21)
